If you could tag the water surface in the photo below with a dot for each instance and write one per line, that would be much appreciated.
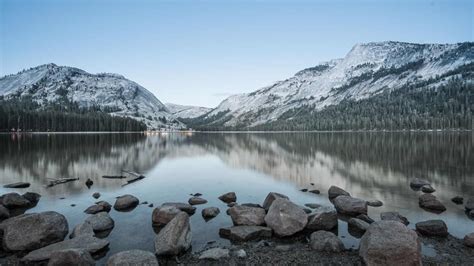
(368, 165)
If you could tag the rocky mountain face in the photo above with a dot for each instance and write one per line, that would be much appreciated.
(366, 71)
(112, 93)
(186, 111)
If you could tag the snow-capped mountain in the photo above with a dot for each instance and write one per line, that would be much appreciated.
(50, 83)
(186, 111)
(367, 70)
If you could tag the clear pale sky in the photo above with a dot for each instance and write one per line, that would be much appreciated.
(199, 52)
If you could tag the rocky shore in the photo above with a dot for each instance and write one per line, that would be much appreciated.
(277, 231)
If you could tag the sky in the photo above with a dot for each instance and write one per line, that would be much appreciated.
(200, 52)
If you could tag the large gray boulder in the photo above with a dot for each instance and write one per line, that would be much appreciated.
(187, 208)
(228, 197)
(324, 241)
(243, 215)
(14, 200)
(210, 212)
(431, 203)
(214, 254)
(133, 257)
(163, 215)
(285, 217)
(71, 257)
(175, 237)
(394, 216)
(101, 206)
(84, 228)
(245, 232)
(100, 222)
(33, 230)
(350, 206)
(271, 197)
(84, 242)
(126, 203)
(334, 192)
(390, 243)
(323, 218)
(432, 228)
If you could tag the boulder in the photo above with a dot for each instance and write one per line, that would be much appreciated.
(84, 242)
(432, 228)
(101, 206)
(245, 232)
(126, 203)
(312, 205)
(468, 240)
(458, 200)
(469, 204)
(100, 222)
(71, 257)
(96, 195)
(187, 208)
(365, 218)
(335, 192)
(214, 254)
(163, 215)
(4, 213)
(350, 206)
(175, 237)
(271, 197)
(427, 189)
(84, 228)
(375, 203)
(17, 185)
(285, 217)
(32, 197)
(417, 183)
(197, 201)
(358, 225)
(323, 218)
(33, 230)
(14, 200)
(324, 241)
(243, 215)
(390, 243)
(133, 257)
(228, 197)
(394, 216)
(431, 203)
(210, 212)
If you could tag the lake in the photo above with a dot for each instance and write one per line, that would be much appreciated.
(373, 165)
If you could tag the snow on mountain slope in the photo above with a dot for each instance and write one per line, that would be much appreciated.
(186, 111)
(367, 70)
(112, 92)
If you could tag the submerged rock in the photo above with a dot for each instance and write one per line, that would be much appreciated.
(430, 202)
(210, 212)
(312, 205)
(133, 257)
(325, 241)
(89, 183)
(228, 197)
(314, 191)
(163, 215)
(33, 230)
(271, 197)
(390, 243)
(350, 206)
(84, 242)
(335, 192)
(214, 254)
(285, 217)
(101, 206)
(197, 201)
(100, 221)
(175, 237)
(394, 216)
(126, 203)
(243, 215)
(14, 200)
(323, 218)
(96, 195)
(71, 257)
(17, 185)
(187, 208)
(245, 232)
(432, 228)
(468, 240)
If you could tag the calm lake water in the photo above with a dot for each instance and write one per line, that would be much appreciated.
(368, 165)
